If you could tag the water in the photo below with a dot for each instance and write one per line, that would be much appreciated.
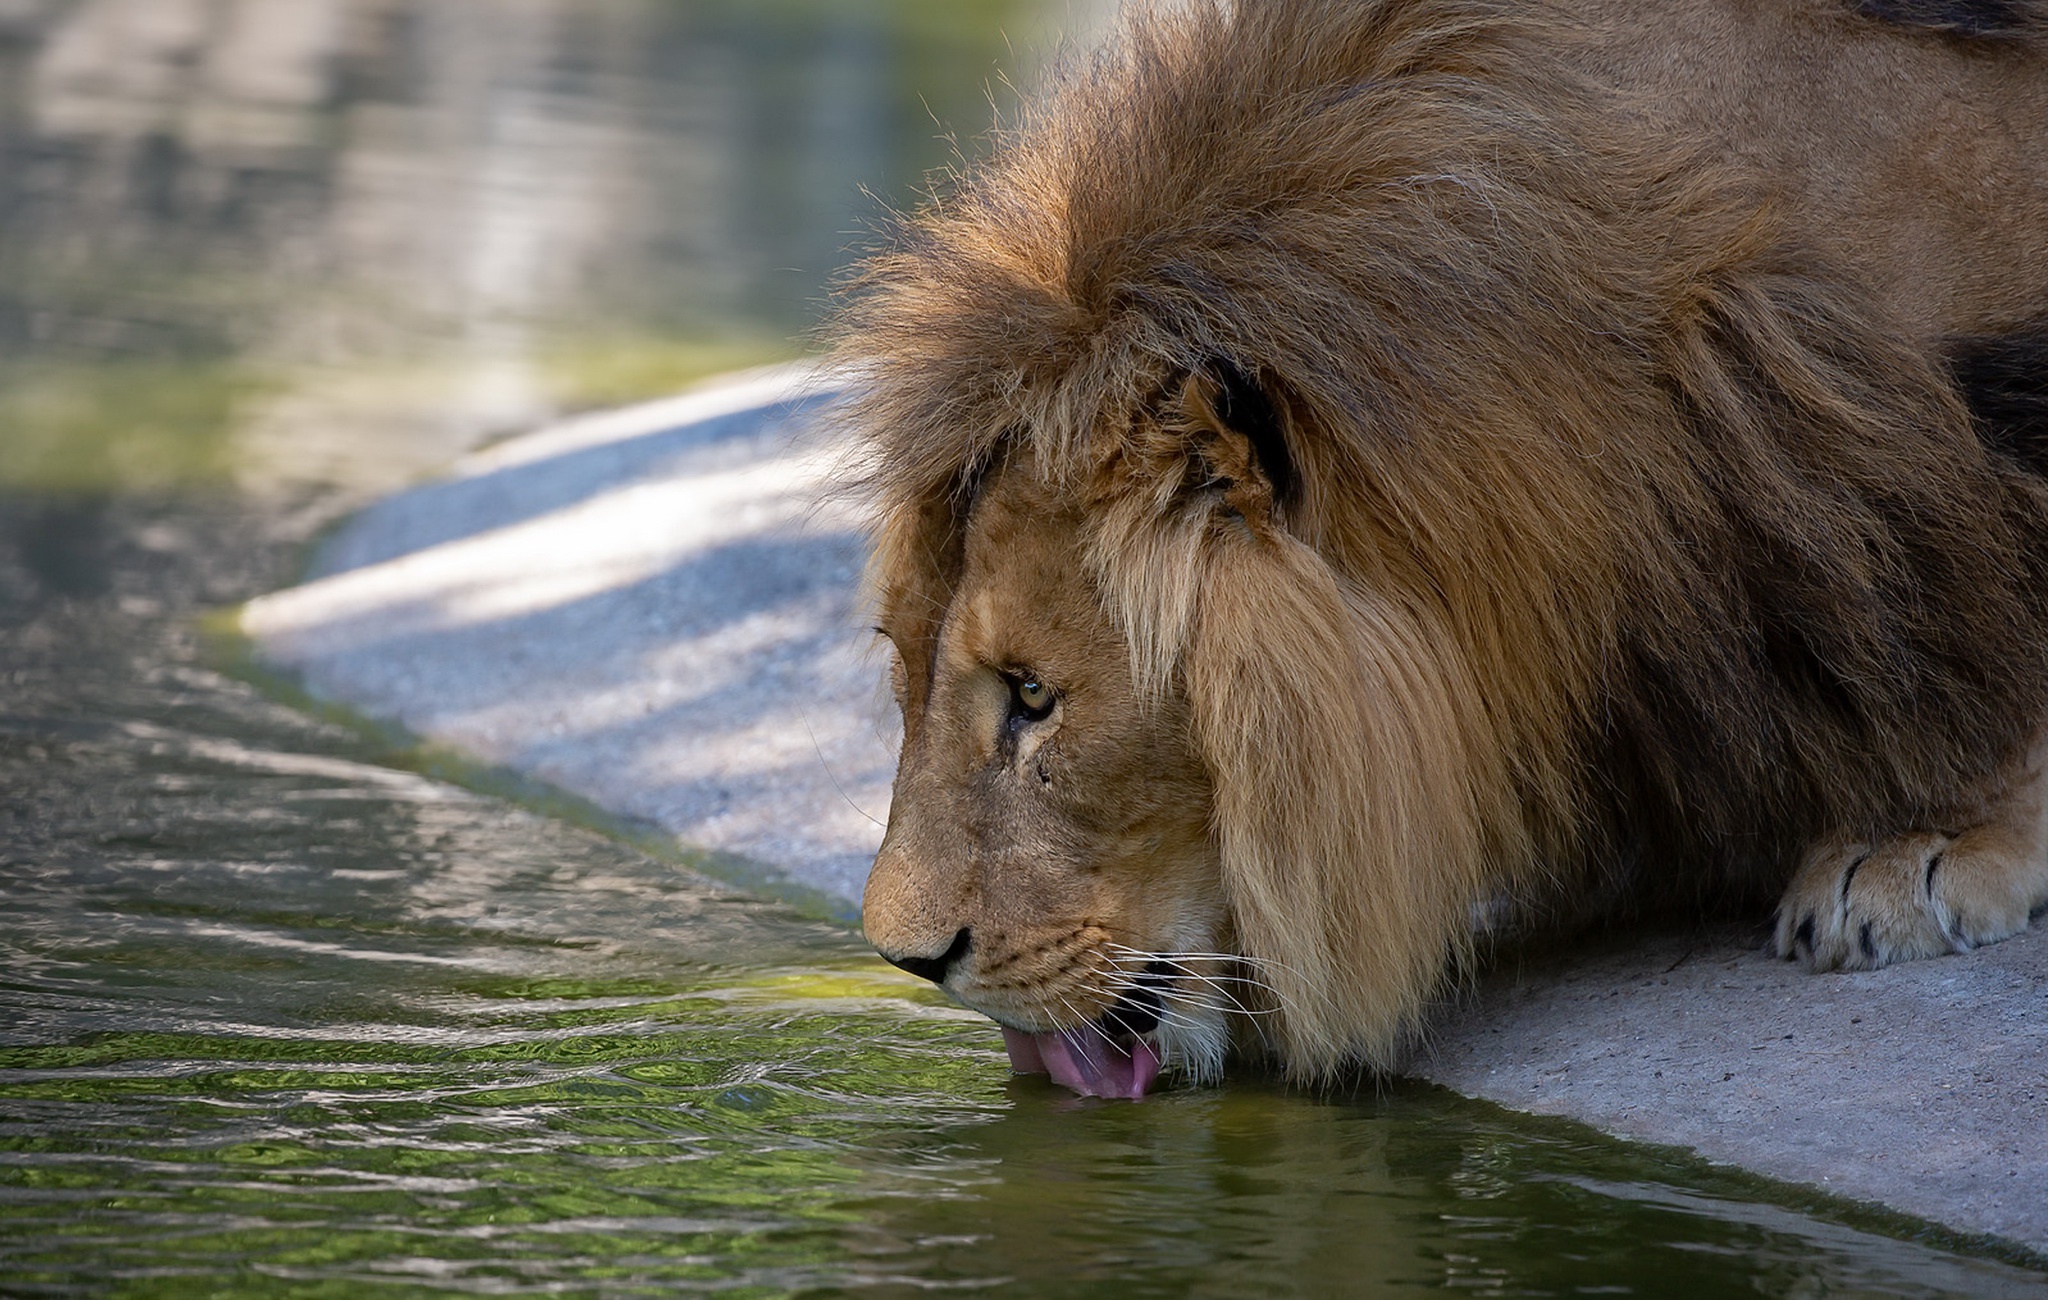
(278, 1017)
(273, 239)
(283, 1013)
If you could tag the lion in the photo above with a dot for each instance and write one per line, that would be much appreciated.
(1356, 477)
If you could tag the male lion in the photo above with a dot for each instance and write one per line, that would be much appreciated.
(1352, 469)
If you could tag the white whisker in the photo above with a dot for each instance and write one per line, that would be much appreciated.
(1177, 990)
(1133, 969)
(1091, 1024)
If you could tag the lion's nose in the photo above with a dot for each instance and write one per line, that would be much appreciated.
(932, 968)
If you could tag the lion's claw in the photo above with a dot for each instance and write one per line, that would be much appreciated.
(1859, 906)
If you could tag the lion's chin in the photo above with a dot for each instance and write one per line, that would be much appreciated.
(1087, 1060)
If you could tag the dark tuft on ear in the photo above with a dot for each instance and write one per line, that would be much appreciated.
(1244, 406)
(2005, 381)
(1984, 18)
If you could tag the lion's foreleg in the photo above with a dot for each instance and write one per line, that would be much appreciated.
(1858, 904)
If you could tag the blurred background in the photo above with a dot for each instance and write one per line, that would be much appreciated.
(310, 242)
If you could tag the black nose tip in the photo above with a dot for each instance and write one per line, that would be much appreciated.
(933, 968)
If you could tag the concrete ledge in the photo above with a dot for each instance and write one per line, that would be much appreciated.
(651, 608)
(1923, 1087)
(655, 609)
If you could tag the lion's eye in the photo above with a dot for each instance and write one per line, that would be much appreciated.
(1034, 697)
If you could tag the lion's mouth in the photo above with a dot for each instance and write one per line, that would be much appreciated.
(1110, 1056)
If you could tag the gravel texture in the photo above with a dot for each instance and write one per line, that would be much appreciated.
(656, 609)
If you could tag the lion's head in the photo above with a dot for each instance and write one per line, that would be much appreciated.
(1329, 483)
(1052, 864)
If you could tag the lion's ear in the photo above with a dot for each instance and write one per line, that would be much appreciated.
(1241, 438)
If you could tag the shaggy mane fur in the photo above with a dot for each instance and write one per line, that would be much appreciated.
(1626, 532)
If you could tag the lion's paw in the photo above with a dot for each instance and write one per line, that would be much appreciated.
(1859, 906)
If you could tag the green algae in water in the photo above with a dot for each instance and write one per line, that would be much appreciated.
(279, 1019)
(276, 1020)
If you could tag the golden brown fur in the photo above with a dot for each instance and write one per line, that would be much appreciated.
(1439, 452)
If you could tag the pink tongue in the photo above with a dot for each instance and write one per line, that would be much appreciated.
(1085, 1061)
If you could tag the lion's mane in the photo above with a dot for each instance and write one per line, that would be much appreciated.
(1626, 532)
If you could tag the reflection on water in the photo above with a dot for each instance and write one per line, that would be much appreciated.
(477, 161)
(453, 215)
(278, 1017)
